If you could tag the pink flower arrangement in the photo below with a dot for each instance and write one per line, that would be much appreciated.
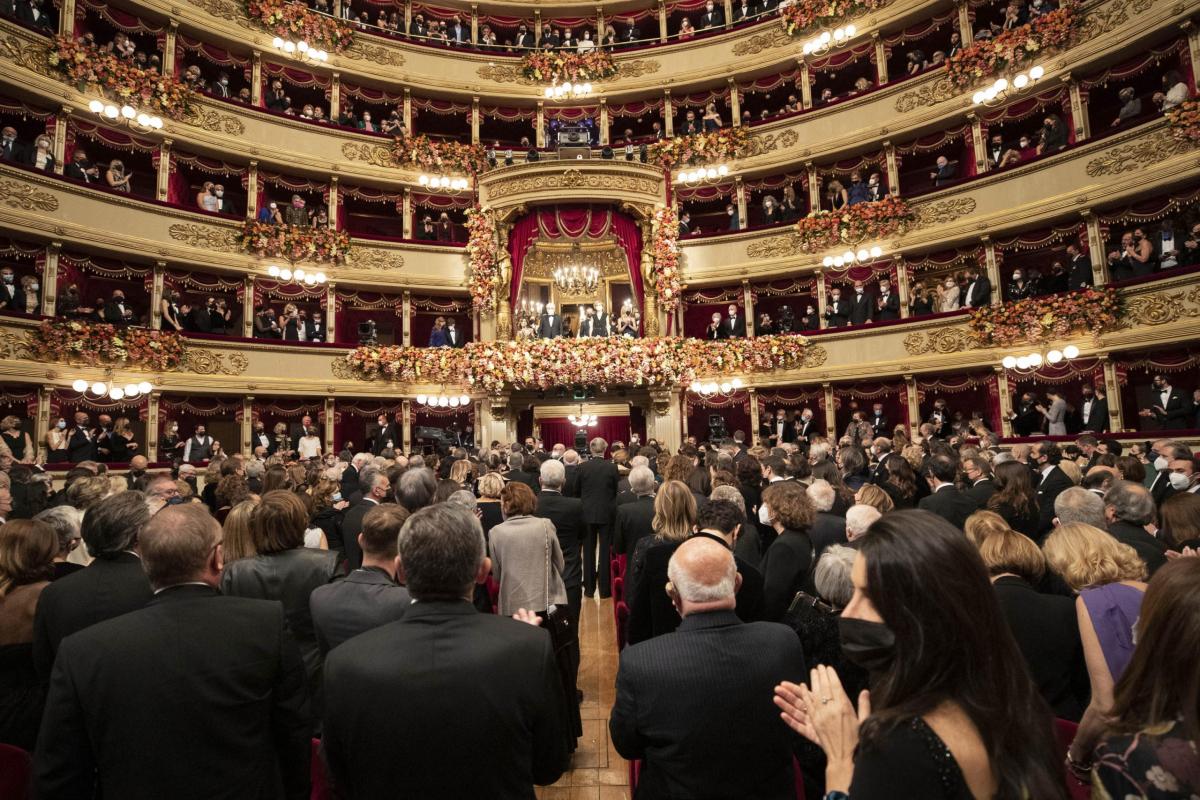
(436, 155)
(295, 243)
(854, 224)
(1184, 122)
(293, 20)
(87, 65)
(97, 344)
(483, 256)
(1041, 320)
(665, 249)
(801, 15)
(604, 362)
(557, 65)
(723, 144)
(1009, 50)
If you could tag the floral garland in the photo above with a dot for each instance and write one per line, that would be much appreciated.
(435, 155)
(605, 361)
(1184, 122)
(295, 243)
(1009, 50)
(292, 20)
(86, 65)
(800, 15)
(665, 249)
(723, 144)
(97, 344)
(1041, 320)
(854, 224)
(483, 258)
(555, 65)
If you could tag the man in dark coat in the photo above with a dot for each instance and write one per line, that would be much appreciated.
(946, 500)
(598, 489)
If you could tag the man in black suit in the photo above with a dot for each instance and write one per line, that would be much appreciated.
(81, 169)
(778, 430)
(1045, 457)
(1170, 408)
(1162, 453)
(117, 311)
(415, 706)
(550, 325)
(516, 471)
(11, 149)
(112, 585)
(734, 326)
(454, 336)
(458, 32)
(677, 693)
(631, 34)
(566, 513)
(1080, 274)
(1093, 410)
(598, 489)
(130, 695)
(887, 304)
(1026, 419)
(804, 426)
(861, 307)
(386, 437)
(944, 173)
(314, 328)
(979, 289)
(369, 596)
(524, 40)
(1129, 508)
(374, 485)
(979, 481)
(712, 17)
(880, 426)
(946, 500)
(12, 295)
(81, 443)
(634, 518)
(837, 311)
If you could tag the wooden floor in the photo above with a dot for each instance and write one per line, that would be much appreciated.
(597, 772)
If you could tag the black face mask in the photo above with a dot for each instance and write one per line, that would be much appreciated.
(870, 645)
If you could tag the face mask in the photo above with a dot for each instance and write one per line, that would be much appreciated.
(870, 645)
(764, 514)
(176, 500)
(8, 278)
(61, 425)
(337, 497)
(1160, 463)
(224, 81)
(1179, 481)
(1017, 277)
(34, 287)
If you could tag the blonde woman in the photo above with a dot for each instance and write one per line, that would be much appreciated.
(238, 541)
(490, 486)
(948, 295)
(19, 443)
(30, 286)
(117, 178)
(836, 195)
(205, 199)
(291, 324)
(42, 155)
(871, 495)
(650, 610)
(1110, 579)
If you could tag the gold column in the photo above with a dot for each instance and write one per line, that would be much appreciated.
(881, 67)
(248, 306)
(168, 56)
(246, 428)
(893, 168)
(1096, 248)
(805, 87)
(66, 18)
(406, 112)
(650, 320)
(993, 270)
(156, 295)
(503, 286)
(599, 25)
(152, 426)
(662, 21)
(337, 9)
(1112, 387)
(978, 145)
(1006, 428)
(406, 318)
(50, 278)
(164, 169)
(537, 26)
(668, 115)
(752, 439)
(407, 214)
(605, 134)
(748, 302)
(735, 99)
(822, 296)
(728, 13)
(475, 120)
(41, 425)
(540, 133)
(683, 413)
(407, 16)
(335, 96)
(814, 186)
(1083, 127)
(740, 193)
(474, 23)
(406, 425)
(330, 418)
(61, 120)
(331, 204)
(330, 310)
(256, 99)
(965, 31)
(1193, 36)
(830, 412)
(252, 190)
(914, 405)
(902, 287)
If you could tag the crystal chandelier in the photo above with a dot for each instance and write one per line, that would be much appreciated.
(577, 280)
(582, 420)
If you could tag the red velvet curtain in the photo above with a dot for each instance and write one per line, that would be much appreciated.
(558, 430)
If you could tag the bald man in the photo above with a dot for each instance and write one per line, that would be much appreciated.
(137, 471)
(691, 705)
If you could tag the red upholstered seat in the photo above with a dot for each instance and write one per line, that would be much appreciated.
(320, 782)
(1066, 734)
(622, 612)
(16, 773)
(635, 769)
(618, 591)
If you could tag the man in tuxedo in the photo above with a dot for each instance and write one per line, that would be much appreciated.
(81, 169)
(979, 481)
(1080, 275)
(597, 489)
(453, 334)
(524, 40)
(735, 324)
(996, 151)
(887, 304)
(314, 329)
(778, 430)
(712, 17)
(418, 27)
(631, 34)
(117, 311)
(939, 418)
(369, 596)
(1162, 453)
(944, 173)
(803, 427)
(568, 41)
(1045, 457)
(12, 296)
(128, 695)
(198, 447)
(10, 148)
(1026, 419)
(879, 423)
(551, 38)
(1093, 410)
(946, 500)
(677, 693)
(1129, 508)
(418, 703)
(386, 436)
(458, 33)
(81, 443)
(374, 485)
(550, 326)
(298, 431)
(634, 518)
(860, 305)
(744, 12)
(837, 312)
(112, 585)
(1169, 408)
(979, 289)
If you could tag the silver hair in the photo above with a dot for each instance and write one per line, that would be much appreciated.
(570, 457)
(832, 574)
(464, 499)
(822, 494)
(254, 468)
(693, 591)
(641, 481)
(639, 461)
(1131, 502)
(66, 521)
(1077, 504)
(731, 494)
(859, 518)
(552, 474)
(1000, 458)
(597, 446)
(818, 452)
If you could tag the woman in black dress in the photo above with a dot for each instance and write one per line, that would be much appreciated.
(952, 712)
(17, 440)
(1015, 499)
(289, 323)
(921, 303)
(121, 446)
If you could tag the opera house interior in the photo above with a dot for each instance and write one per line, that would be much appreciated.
(869, 327)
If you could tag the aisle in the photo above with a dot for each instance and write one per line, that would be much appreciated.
(597, 772)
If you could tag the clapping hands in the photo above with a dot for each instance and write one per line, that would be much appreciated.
(822, 713)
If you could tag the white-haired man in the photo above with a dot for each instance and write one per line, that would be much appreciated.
(828, 528)
(859, 518)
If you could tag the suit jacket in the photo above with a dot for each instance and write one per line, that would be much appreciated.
(1053, 484)
(454, 337)
(352, 524)
(1026, 420)
(1097, 421)
(550, 327)
(633, 522)
(677, 693)
(81, 446)
(1081, 275)
(950, 504)
(362, 601)
(771, 428)
(314, 332)
(566, 513)
(712, 19)
(571, 485)
(14, 151)
(15, 301)
(79, 172)
(418, 703)
(826, 529)
(861, 308)
(1177, 412)
(385, 434)
(891, 307)
(129, 696)
(785, 568)
(943, 175)
(109, 587)
(837, 314)
(527, 478)
(979, 293)
(598, 489)
(981, 492)
(880, 426)
(1149, 549)
(734, 327)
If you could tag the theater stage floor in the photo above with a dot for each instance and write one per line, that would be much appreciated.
(597, 772)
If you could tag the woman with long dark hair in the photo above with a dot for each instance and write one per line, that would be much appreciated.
(952, 712)
(901, 483)
(1015, 499)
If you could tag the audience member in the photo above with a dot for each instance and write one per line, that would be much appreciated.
(787, 509)
(650, 614)
(27, 552)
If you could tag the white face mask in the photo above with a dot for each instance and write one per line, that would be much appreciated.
(764, 514)
(1179, 481)
(1160, 463)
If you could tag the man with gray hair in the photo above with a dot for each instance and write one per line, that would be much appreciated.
(677, 693)
(1079, 505)
(634, 518)
(859, 518)
(66, 521)
(374, 486)
(832, 574)
(192, 660)
(112, 585)
(416, 706)
(598, 478)
(566, 515)
(1129, 508)
(828, 528)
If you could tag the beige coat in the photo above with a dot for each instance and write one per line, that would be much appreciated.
(527, 562)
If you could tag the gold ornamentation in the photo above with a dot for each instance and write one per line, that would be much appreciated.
(373, 154)
(636, 69)
(770, 142)
(26, 197)
(573, 179)
(341, 369)
(941, 211)
(14, 346)
(503, 73)
(223, 9)
(939, 91)
(1162, 307)
(204, 237)
(208, 362)
(776, 37)
(661, 401)
(1109, 17)
(774, 247)
(365, 51)
(376, 258)
(944, 340)
(814, 356)
(33, 56)
(209, 120)
(1138, 154)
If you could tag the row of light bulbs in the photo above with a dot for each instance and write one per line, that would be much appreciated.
(851, 257)
(299, 49)
(712, 387)
(567, 90)
(443, 182)
(126, 112)
(997, 90)
(443, 401)
(298, 275)
(826, 40)
(102, 388)
(1035, 360)
(703, 173)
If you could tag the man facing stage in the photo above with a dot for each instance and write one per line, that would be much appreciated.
(550, 326)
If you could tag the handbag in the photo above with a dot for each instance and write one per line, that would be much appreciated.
(564, 642)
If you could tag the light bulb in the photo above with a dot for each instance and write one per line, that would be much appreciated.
(737, 383)
(1008, 362)
(1001, 84)
(453, 402)
(990, 93)
(808, 48)
(876, 251)
(443, 401)
(273, 271)
(1037, 72)
(95, 106)
(423, 180)
(144, 387)
(310, 280)
(851, 30)
(587, 88)
(863, 254)
(1023, 362)
(80, 385)
(978, 98)
(1071, 351)
(682, 177)
(131, 390)
(726, 388)
(1021, 81)
(695, 387)
(1035, 359)
(277, 43)
(549, 91)
(828, 261)
(143, 120)
(722, 170)
(825, 37)
(1054, 356)
(288, 47)
(99, 387)
(321, 277)
(421, 399)
(838, 261)
(156, 123)
(112, 112)
(848, 257)
(302, 46)
(285, 274)
(464, 400)
(117, 393)
(128, 112)
(839, 34)
(566, 87)
(298, 274)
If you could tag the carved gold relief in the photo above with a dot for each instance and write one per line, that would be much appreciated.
(1110, 16)
(770, 142)
(773, 247)
(13, 346)
(373, 154)
(384, 56)
(208, 362)
(636, 69)
(209, 120)
(502, 73)
(937, 92)
(204, 237)
(377, 259)
(30, 55)
(26, 197)
(1138, 154)
(224, 9)
(573, 179)
(341, 369)
(776, 37)
(944, 340)
(1163, 307)
(815, 356)
(944, 210)
(662, 401)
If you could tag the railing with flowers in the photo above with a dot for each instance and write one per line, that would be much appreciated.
(603, 362)
(799, 16)
(483, 258)
(98, 344)
(1042, 320)
(665, 249)
(436, 155)
(289, 19)
(724, 144)
(294, 242)
(852, 225)
(1009, 50)
(1184, 122)
(86, 65)
(555, 65)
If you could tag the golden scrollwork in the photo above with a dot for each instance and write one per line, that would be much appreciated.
(815, 356)
(638, 68)
(773, 247)
(573, 179)
(341, 369)
(1110, 16)
(1161, 308)
(223, 9)
(944, 210)
(208, 362)
(770, 142)
(931, 94)
(661, 401)
(1139, 154)
(503, 73)
(26, 197)
(373, 154)
(943, 340)
(375, 258)
(204, 237)
(32, 56)
(209, 120)
(775, 37)
(364, 51)
(13, 346)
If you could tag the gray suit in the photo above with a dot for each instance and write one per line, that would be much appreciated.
(365, 599)
(1056, 418)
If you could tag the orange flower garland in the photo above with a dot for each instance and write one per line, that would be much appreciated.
(289, 19)
(800, 15)
(483, 257)
(98, 344)
(1041, 320)
(295, 243)
(854, 224)
(86, 65)
(1184, 122)
(556, 65)
(665, 249)
(1008, 50)
(723, 144)
(435, 155)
